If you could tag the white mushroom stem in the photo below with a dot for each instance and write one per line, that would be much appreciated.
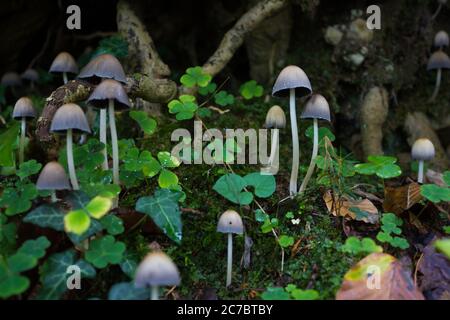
(295, 144)
(437, 11)
(114, 143)
(420, 173)
(273, 149)
(155, 293)
(53, 195)
(23, 129)
(65, 79)
(70, 163)
(229, 258)
(315, 151)
(103, 137)
(438, 85)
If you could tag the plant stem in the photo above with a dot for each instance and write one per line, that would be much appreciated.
(295, 145)
(23, 129)
(420, 173)
(229, 258)
(115, 147)
(437, 86)
(65, 78)
(155, 293)
(103, 137)
(53, 195)
(312, 164)
(70, 163)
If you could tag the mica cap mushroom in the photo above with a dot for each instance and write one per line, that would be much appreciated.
(292, 77)
(30, 75)
(103, 66)
(11, 79)
(69, 116)
(317, 108)
(230, 222)
(53, 177)
(109, 89)
(441, 39)
(438, 61)
(24, 109)
(275, 118)
(422, 150)
(64, 62)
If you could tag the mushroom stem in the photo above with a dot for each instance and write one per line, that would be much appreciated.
(155, 292)
(65, 79)
(103, 137)
(23, 129)
(437, 86)
(114, 143)
(53, 195)
(229, 258)
(273, 149)
(315, 151)
(70, 163)
(295, 144)
(437, 11)
(420, 173)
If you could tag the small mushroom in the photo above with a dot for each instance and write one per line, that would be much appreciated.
(230, 222)
(157, 269)
(292, 81)
(68, 118)
(438, 61)
(441, 40)
(422, 150)
(23, 110)
(53, 177)
(64, 63)
(11, 79)
(275, 120)
(30, 75)
(316, 108)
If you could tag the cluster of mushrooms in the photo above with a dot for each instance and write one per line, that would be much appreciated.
(439, 60)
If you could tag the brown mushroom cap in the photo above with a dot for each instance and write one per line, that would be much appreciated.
(438, 60)
(30, 75)
(11, 79)
(64, 62)
(316, 108)
(292, 77)
(422, 149)
(103, 66)
(109, 89)
(53, 177)
(275, 118)
(24, 109)
(157, 269)
(230, 222)
(441, 39)
(69, 116)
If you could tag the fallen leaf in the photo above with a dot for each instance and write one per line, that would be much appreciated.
(399, 199)
(435, 268)
(379, 276)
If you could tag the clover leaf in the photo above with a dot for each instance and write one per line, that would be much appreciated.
(104, 251)
(184, 108)
(147, 124)
(223, 98)
(355, 246)
(383, 166)
(28, 168)
(251, 89)
(210, 88)
(195, 76)
(18, 200)
(231, 186)
(435, 193)
(285, 241)
(113, 224)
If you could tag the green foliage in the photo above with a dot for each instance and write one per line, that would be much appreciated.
(323, 132)
(209, 89)
(195, 76)
(251, 89)
(128, 291)
(285, 241)
(223, 98)
(46, 216)
(364, 246)
(290, 292)
(112, 224)
(184, 107)
(105, 250)
(18, 199)
(443, 245)
(269, 224)
(147, 124)
(8, 144)
(223, 152)
(115, 45)
(28, 168)
(436, 193)
(7, 235)
(390, 228)
(383, 166)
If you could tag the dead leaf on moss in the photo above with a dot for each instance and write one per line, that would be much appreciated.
(435, 269)
(399, 199)
(379, 276)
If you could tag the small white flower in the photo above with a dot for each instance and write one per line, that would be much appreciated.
(295, 221)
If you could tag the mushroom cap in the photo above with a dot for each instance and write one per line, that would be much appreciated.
(422, 149)
(157, 269)
(53, 177)
(11, 79)
(292, 77)
(64, 62)
(24, 109)
(30, 75)
(441, 39)
(109, 89)
(438, 60)
(230, 222)
(275, 118)
(316, 108)
(103, 66)
(69, 116)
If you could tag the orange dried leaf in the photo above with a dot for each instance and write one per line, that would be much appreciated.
(399, 199)
(346, 208)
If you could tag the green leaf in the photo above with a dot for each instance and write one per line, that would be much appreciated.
(127, 291)
(264, 184)
(389, 171)
(260, 216)
(28, 168)
(309, 294)
(167, 160)
(275, 293)
(112, 224)
(94, 228)
(210, 88)
(195, 77)
(223, 98)
(231, 186)
(251, 89)
(184, 108)
(323, 132)
(355, 246)
(163, 208)
(115, 45)
(435, 193)
(446, 177)
(269, 224)
(46, 216)
(384, 237)
(443, 245)
(129, 265)
(104, 251)
(383, 166)
(12, 285)
(18, 200)
(286, 241)
(99, 206)
(77, 221)
(167, 179)
(7, 144)
(399, 242)
(147, 124)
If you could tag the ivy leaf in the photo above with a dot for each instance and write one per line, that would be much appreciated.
(223, 98)
(251, 89)
(163, 208)
(46, 216)
(77, 221)
(129, 265)
(210, 88)
(7, 145)
(231, 187)
(286, 241)
(195, 77)
(28, 168)
(435, 193)
(184, 108)
(127, 291)
(94, 228)
(264, 185)
(104, 251)
(147, 124)
(113, 224)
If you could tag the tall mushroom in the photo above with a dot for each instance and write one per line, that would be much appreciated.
(230, 222)
(438, 61)
(157, 269)
(104, 66)
(23, 110)
(64, 63)
(441, 40)
(67, 119)
(275, 120)
(316, 108)
(53, 177)
(422, 150)
(292, 81)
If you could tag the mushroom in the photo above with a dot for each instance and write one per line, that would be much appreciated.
(422, 150)
(275, 120)
(53, 177)
(441, 39)
(11, 79)
(438, 61)
(30, 75)
(64, 63)
(157, 269)
(23, 110)
(316, 108)
(110, 93)
(68, 118)
(292, 81)
(230, 222)
(441, 3)
(104, 66)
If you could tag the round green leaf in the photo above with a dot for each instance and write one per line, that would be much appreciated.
(77, 221)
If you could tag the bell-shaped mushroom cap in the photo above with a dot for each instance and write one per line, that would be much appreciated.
(438, 60)
(24, 109)
(103, 66)
(441, 39)
(69, 116)
(317, 107)
(422, 149)
(53, 177)
(11, 79)
(289, 78)
(109, 89)
(30, 75)
(157, 269)
(275, 118)
(64, 62)
(230, 222)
